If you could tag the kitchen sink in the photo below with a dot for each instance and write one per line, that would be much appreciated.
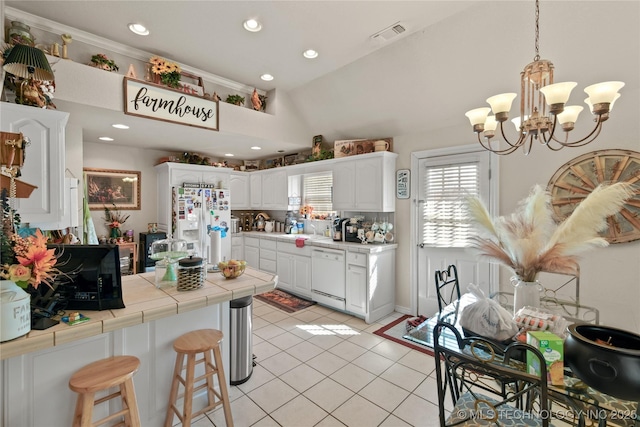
(304, 236)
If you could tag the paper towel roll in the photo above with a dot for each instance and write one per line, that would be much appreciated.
(215, 251)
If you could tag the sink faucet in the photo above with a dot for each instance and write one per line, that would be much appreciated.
(314, 228)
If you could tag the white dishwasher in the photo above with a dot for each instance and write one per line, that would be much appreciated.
(328, 277)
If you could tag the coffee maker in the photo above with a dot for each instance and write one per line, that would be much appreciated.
(350, 231)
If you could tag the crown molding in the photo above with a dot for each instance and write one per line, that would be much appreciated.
(50, 26)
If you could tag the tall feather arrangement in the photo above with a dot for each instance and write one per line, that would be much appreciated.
(529, 241)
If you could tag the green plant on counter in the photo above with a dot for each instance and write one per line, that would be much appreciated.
(235, 99)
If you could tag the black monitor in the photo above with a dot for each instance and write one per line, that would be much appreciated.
(90, 276)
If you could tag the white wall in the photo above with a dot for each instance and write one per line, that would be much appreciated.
(453, 67)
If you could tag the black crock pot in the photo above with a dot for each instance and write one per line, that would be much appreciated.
(612, 369)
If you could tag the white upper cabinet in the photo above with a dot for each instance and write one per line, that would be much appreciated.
(255, 186)
(275, 189)
(344, 187)
(365, 183)
(240, 190)
(44, 164)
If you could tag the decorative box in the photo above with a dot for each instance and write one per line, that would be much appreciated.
(552, 348)
(15, 311)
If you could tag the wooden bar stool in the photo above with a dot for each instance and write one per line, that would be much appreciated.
(204, 341)
(104, 374)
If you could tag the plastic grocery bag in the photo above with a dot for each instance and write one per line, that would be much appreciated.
(487, 318)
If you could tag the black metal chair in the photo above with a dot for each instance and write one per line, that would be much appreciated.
(447, 286)
(474, 372)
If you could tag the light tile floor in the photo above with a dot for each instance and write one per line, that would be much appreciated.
(320, 367)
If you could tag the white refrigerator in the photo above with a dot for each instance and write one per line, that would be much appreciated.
(202, 216)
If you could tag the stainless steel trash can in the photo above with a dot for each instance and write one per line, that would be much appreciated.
(241, 340)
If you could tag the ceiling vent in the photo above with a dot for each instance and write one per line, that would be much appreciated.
(389, 32)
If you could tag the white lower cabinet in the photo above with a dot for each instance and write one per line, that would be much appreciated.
(285, 271)
(369, 276)
(268, 256)
(237, 247)
(294, 269)
(302, 275)
(252, 252)
(371, 284)
(356, 296)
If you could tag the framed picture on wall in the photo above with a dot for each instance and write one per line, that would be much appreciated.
(106, 187)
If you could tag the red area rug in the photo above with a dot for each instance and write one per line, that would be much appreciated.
(284, 301)
(396, 329)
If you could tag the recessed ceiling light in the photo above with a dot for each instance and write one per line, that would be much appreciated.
(266, 77)
(139, 29)
(105, 138)
(252, 25)
(256, 148)
(310, 54)
(229, 155)
(120, 126)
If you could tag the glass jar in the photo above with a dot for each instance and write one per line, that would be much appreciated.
(166, 273)
(20, 33)
(191, 273)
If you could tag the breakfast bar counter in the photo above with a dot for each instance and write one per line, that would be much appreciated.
(36, 367)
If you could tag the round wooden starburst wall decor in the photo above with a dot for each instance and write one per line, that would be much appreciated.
(577, 178)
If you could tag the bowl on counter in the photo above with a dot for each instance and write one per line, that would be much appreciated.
(605, 358)
(232, 268)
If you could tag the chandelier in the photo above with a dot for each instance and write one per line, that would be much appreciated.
(542, 109)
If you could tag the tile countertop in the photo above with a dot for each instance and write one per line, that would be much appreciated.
(321, 241)
(144, 303)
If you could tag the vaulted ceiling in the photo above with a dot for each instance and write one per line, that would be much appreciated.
(452, 56)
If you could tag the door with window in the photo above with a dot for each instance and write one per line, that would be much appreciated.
(443, 225)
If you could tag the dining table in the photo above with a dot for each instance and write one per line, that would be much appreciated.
(596, 407)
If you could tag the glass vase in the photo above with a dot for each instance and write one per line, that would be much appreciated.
(525, 294)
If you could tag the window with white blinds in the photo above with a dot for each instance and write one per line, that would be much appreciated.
(317, 192)
(445, 219)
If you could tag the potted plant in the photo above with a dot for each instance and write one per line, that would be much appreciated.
(263, 100)
(101, 61)
(235, 99)
(166, 71)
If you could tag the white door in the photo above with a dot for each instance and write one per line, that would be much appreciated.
(441, 226)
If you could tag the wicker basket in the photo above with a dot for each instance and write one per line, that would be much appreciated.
(191, 274)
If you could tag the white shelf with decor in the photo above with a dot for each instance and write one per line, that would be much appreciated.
(84, 85)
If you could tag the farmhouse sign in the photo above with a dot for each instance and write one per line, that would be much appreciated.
(152, 101)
